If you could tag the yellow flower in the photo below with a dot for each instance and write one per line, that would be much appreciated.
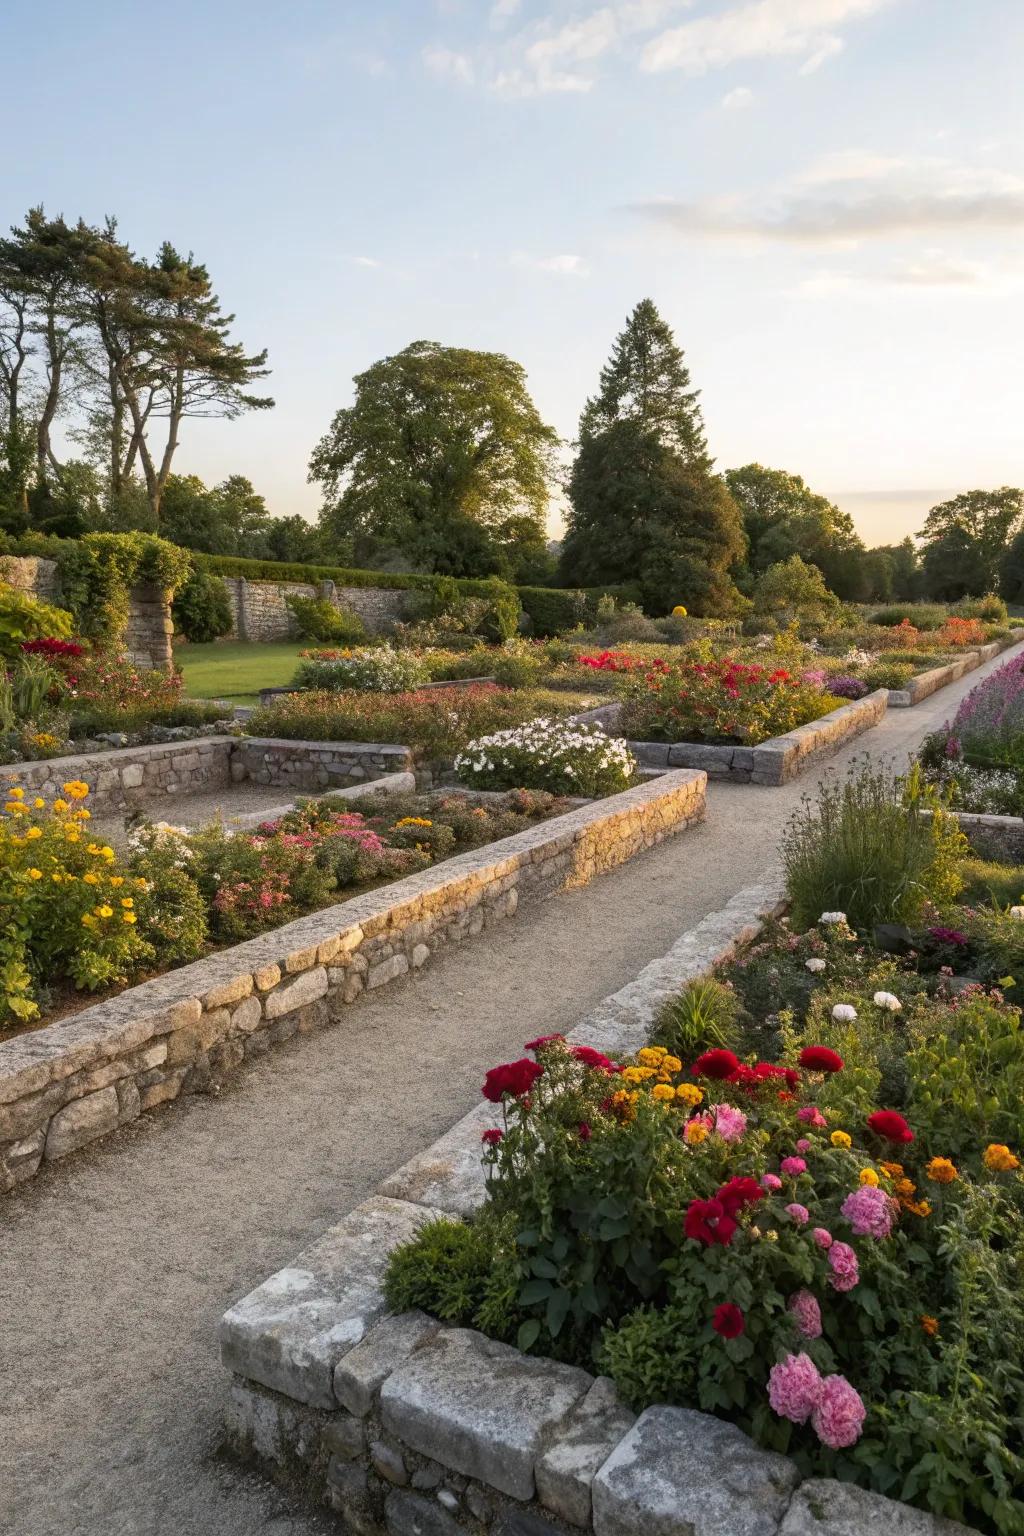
(60, 805)
(16, 794)
(140, 884)
(76, 789)
(116, 880)
(920, 1208)
(94, 849)
(104, 911)
(129, 917)
(108, 853)
(637, 1074)
(689, 1093)
(999, 1158)
(33, 834)
(679, 612)
(413, 821)
(39, 802)
(694, 1132)
(624, 1104)
(88, 921)
(83, 814)
(869, 1176)
(91, 879)
(941, 1171)
(127, 902)
(664, 1093)
(671, 1064)
(892, 1170)
(841, 1139)
(651, 1056)
(15, 808)
(35, 874)
(56, 878)
(930, 1325)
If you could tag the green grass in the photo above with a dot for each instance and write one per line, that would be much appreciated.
(237, 671)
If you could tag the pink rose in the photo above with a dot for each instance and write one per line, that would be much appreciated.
(811, 1115)
(839, 1414)
(798, 1213)
(822, 1237)
(794, 1387)
(845, 1270)
(806, 1314)
(771, 1181)
(730, 1123)
(793, 1165)
(803, 1145)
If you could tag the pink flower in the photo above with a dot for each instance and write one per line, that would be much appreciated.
(822, 1237)
(869, 1211)
(842, 1261)
(811, 1115)
(793, 1165)
(806, 1314)
(839, 1414)
(803, 1145)
(794, 1388)
(771, 1181)
(730, 1123)
(798, 1213)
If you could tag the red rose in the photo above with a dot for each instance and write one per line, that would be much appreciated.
(728, 1321)
(718, 1063)
(887, 1123)
(515, 1077)
(492, 1137)
(585, 1132)
(818, 1058)
(592, 1058)
(740, 1191)
(541, 1040)
(709, 1222)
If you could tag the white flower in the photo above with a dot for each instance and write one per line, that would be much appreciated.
(814, 964)
(1017, 913)
(844, 1013)
(888, 1001)
(832, 917)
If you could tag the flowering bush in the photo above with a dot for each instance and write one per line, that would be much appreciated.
(988, 728)
(843, 687)
(381, 669)
(548, 754)
(962, 634)
(719, 700)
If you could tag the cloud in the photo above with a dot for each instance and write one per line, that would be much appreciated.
(735, 100)
(364, 261)
(937, 270)
(758, 29)
(854, 198)
(563, 266)
(503, 11)
(446, 64)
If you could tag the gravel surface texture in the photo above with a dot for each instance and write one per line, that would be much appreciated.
(115, 1266)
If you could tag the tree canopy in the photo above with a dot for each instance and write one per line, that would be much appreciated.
(440, 464)
(782, 516)
(964, 541)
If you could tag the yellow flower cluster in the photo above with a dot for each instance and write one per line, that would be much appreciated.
(999, 1158)
(413, 821)
(841, 1139)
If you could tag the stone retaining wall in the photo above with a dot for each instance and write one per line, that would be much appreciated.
(127, 777)
(260, 609)
(309, 766)
(925, 684)
(147, 638)
(70, 1082)
(402, 1425)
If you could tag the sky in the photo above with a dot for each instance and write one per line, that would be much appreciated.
(825, 199)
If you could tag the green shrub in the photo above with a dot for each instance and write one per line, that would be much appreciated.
(652, 1354)
(446, 667)
(201, 609)
(98, 571)
(891, 675)
(966, 1075)
(23, 617)
(990, 883)
(380, 670)
(990, 608)
(501, 618)
(552, 612)
(921, 615)
(513, 670)
(702, 1017)
(317, 619)
(866, 847)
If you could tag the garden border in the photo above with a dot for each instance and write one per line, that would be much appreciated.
(72, 1081)
(925, 684)
(398, 1422)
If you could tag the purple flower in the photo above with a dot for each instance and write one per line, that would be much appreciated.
(869, 1211)
(842, 1261)
(798, 1213)
(847, 687)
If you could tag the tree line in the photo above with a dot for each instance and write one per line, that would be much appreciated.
(442, 463)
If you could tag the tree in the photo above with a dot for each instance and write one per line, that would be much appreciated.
(782, 516)
(892, 573)
(964, 541)
(293, 541)
(230, 519)
(793, 588)
(644, 504)
(441, 454)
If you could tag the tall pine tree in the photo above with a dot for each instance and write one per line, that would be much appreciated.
(645, 507)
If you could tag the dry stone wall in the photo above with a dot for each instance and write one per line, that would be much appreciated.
(147, 638)
(260, 610)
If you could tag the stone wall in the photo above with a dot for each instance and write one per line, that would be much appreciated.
(147, 638)
(925, 684)
(260, 608)
(70, 1082)
(128, 777)
(404, 1426)
(31, 573)
(311, 766)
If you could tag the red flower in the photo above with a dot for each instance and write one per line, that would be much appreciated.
(515, 1077)
(709, 1222)
(887, 1123)
(765, 1070)
(818, 1058)
(585, 1132)
(728, 1321)
(740, 1191)
(541, 1040)
(492, 1137)
(592, 1058)
(716, 1063)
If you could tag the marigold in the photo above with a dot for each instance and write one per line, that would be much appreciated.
(664, 1093)
(77, 789)
(636, 1075)
(690, 1094)
(869, 1176)
(60, 805)
(894, 1170)
(16, 794)
(35, 874)
(930, 1325)
(841, 1139)
(651, 1055)
(623, 1104)
(941, 1171)
(694, 1132)
(671, 1064)
(999, 1158)
(91, 879)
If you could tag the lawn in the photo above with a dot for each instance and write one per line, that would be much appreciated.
(236, 670)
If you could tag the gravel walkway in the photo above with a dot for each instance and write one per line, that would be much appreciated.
(115, 1266)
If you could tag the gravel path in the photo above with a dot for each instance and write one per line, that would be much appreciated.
(115, 1266)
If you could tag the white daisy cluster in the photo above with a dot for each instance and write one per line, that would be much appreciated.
(381, 669)
(557, 755)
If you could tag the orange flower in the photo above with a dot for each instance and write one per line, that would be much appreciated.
(999, 1158)
(941, 1171)
(930, 1325)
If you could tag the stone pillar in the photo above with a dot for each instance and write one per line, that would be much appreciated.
(147, 638)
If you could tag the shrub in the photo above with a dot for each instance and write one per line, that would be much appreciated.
(24, 618)
(718, 701)
(317, 619)
(988, 727)
(892, 675)
(201, 609)
(866, 847)
(703, 1015)
(921, 615)
(990, 608)
(381, 670)
(793, 587)
(98, 571)
(561, 757)
(517, 669)
(451, 666)
(552, 612)
(847, 687)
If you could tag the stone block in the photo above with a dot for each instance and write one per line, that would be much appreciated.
(480, 1408)
(568, 1467)
(682, 1473)
(227, 992)
(410, 1514)
(131, 775)
(387, 970)
(306, 988)
(267, 977)
(361, 1373)
(822, 1507)
(449, 1175)
(20, 1159)
(301, 959)
(81, 1122)
(290, 1333)
(247, 1016)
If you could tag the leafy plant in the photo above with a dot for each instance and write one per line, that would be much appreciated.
(317, 619)
(24, 618)
(380, 670)
(201, 609)
(702, 1015)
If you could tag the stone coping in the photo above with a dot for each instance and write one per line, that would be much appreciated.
(69, 1082)
(400, 1423)
(924, 684)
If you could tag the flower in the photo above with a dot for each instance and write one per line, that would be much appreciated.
(694, 1132)
(663, 1093)
(844, 1013)
(890, 1125)
(869, 1211)
(794, 1388)
(868, 1176)
(941, 1171)
(839, 1414)
(929, 1325)
(689, 1093)
(709, 1223)
(822, 1237)
(718, 1064)
(771, 1181)
(515, 1077)
(830, 918)
(730, 1123)
(888, 1001)
(842, 1261)
(728, 1321)
(77, 789)
(810, 1114)
(740, 1191)
(999, 1158)
(819, 1058)
(583, 1131)
(803, 1145)
(492, 1137)
(591, 1058)
(815, 964)
(798, 1214)
(793, 1165)
(841, 1139)
(541, 1040)
(806, 1313)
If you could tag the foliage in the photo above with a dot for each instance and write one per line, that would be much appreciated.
(201, 610)
(381, 670)
(892, 674)
(965, 540)
(98, 571)
(783, 517)
(874, 846)
(920, 615)
(551, 612)
(23, 617)
(700, 1017)
(988, 727)
(561, 757)
(718, 701)
(792, 588)
(520, 668)
(316, 618)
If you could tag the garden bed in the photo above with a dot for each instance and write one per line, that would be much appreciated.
(924, 684)
(65, 1084)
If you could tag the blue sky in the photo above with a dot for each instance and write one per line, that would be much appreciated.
(824, 197)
